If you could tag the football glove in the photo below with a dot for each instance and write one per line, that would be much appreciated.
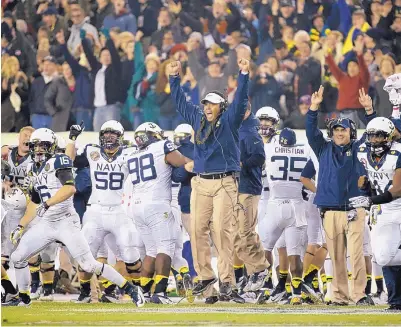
(360, 202)
(76, 130)
(16, 234)
(41, 209)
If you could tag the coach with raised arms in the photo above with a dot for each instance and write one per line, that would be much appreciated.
(214, 189)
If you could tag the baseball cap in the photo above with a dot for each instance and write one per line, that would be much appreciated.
(342, 122)
(213, 97)
(286, 3)
(305, 99)
(50, 11)
(50, 58)
(287, 137)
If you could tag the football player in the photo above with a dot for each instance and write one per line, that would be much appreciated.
(51, 200)
(105, 214)
(150, 169)
(284, 164)
(381, 157)
(18, 159)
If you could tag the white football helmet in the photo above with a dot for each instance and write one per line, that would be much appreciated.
(115, 137)
(148, 133)
(42, 144)
(393, 88)
(182, 132)
(16, 198)
(380, 127)
(268, 114)
(61, 144)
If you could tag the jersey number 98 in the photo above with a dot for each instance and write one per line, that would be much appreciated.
(142, 168)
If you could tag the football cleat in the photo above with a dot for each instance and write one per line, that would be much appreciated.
(84, 297)
(36, 291)
(203, 285)
(8, 297)
(296, 300)
(147, 297)
(380, 298)
(17, 302)
(394, 308)
(286, 299)
(307, 288)
(47, 295)
(242, 284)
(135, 293)
(257, 280)
(211, 300)
(160, 298)
(278, 293)
(188, 287)
(180, 286)
(110, 297)
(365, 301)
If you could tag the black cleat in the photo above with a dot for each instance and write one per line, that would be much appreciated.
(367, 300)
(110, 297)
(211, 300)
(84, 297)
(17, 302)
(202, 286)
(394, 308)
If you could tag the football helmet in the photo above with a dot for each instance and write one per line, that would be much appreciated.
(115, 137)
(269, 114)
(16, 198)
(393, 88)
(148, 133)
(380, 127)
(61, 144)
(181, 133)
(42, 145)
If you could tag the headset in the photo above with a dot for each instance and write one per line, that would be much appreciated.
(223, 105)
(330, 123)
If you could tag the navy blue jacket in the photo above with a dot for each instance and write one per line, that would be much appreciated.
(36, 99)
(339, 166)
(83, 95)
(252, 157)
(83, 186)
(220, 152)
(180, 175)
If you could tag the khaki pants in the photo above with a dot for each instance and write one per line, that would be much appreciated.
(213, 215)
(247, 244)
(340, 235)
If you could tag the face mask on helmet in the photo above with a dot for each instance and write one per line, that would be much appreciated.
(180, 137)
(144, 139)
(379, 142)
(110, 139)
(267, 129)
(41, 151)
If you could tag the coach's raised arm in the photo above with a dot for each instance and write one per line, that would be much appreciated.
(214, 189)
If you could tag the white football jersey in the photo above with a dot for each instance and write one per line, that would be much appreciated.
(284, 165)
(18, 167)
(108, 174)
(149, 173)
(381, 173)
(265, 184)
(46, 184)
(175, 188)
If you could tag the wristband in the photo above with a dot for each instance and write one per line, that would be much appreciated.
(386, 197)
(45, 205)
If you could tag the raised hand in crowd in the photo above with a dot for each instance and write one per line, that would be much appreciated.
(317, 98)
(173, 68)
(243, 65)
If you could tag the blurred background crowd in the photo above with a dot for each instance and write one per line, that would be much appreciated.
(67, 61)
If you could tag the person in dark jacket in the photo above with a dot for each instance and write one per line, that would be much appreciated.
(216, 161)
(40, 118)
(146, 12)
(338, 182)
(248, 248)
(182, 138)
(83, 186)
(106, 75)
(83, 93)
(121, 18)
(104, 8)
(59, 98)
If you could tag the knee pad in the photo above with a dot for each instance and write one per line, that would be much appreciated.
(49, 269)
(20, 265)
(34, 266)
(134, 268)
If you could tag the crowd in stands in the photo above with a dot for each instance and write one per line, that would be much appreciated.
(67, 61)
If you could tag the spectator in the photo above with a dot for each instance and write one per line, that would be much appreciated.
(14, 96)
(126, 42)
(169, 118)
(121, 18)
(264, 90)
(54, 24)
(232, 86)
(319, 29)
(251, 27)
(383, 105)
(164, 23)
(104, 9)
(373, 68)
(147, 15)
(106, 75)
(79, 22)
(59, 99)
(190, 86)
(395, 35)
(374, 13)
(357, 77)
(358, 23)
(83, 94)
(308, 73)
(167, 45)
(297, 118)
(40, 118)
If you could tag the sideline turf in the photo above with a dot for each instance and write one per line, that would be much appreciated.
(69, 314)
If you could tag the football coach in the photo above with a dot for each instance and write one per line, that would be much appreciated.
(214, 188)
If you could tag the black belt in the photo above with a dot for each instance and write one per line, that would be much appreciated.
(216, 176)
(344, 208)
(266, 189)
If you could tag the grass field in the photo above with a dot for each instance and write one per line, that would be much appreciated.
(70, 314)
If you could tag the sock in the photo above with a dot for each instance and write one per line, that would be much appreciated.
(368, 288)
(379, 284)
(329, 278)
(35, 279)
(23, 279)
(161, 283)
(239, 272)
(283, 274)
(311, 273)
(324, 281)
(85, 285)
(288, 287)
(315, 284)
(296, 283)
(48, 287)
(146, 284)
(8, 286)
(24, 296)
(184, 270)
